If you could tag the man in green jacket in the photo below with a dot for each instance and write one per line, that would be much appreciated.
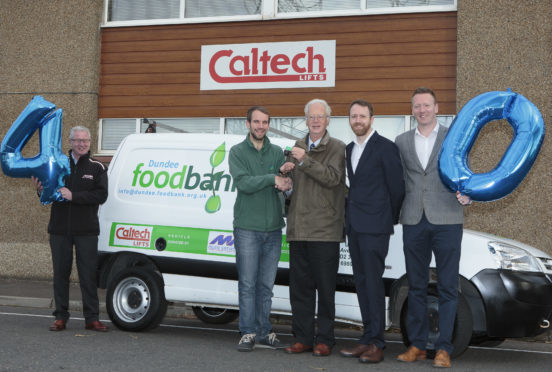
(258, 222)
(314, 230)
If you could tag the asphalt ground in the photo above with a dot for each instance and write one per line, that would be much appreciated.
(39, 294)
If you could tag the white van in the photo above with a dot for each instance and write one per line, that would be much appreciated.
(166, 236)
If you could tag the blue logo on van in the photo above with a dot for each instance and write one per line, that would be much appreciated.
(223, 240)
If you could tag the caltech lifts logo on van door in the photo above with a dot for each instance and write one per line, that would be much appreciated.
(173, 182)
(297, 64)
(132, 235)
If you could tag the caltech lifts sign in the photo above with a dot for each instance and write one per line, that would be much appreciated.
(297, 64)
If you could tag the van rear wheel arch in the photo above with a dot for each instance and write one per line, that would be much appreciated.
(215, 315)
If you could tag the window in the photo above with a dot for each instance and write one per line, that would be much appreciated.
(285, 6)
(113, 131)
(217, 8)
(445, 120)
(188, 125)
(291, 128)
(395, 3)
(147, 12)
(125, 10)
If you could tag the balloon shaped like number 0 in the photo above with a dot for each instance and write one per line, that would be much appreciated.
(50, 165)
(528, 126)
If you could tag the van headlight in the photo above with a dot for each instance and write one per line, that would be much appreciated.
(510, 257)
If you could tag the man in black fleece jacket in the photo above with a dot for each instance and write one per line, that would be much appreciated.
(74, 221)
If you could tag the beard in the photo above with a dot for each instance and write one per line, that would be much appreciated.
(256, 137)
(360, 130)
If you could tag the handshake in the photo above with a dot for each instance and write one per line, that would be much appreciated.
(283, 183)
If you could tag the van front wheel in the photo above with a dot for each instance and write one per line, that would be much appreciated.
(135, 299)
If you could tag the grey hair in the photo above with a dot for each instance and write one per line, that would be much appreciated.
(78, 129)
(327, 107)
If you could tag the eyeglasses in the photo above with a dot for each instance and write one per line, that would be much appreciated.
(80, 140)
(355, 117)
(316, 117)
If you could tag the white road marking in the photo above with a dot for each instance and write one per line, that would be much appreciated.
(283, 334)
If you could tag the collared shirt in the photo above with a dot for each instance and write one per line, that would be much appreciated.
(424, 145)
(358, 149)
(315, 143)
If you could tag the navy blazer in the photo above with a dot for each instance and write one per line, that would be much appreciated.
(376, 189)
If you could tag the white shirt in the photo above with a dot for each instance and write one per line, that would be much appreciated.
(358, 149)
(310, 143)
(315, 143)
(424, 145)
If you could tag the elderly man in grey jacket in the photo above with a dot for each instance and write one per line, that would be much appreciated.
(315, 229)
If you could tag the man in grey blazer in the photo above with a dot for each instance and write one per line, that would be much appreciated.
(432, 219)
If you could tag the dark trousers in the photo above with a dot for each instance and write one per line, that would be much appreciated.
(313, 267)
(419, 242)
(368, 252)
(86, 251)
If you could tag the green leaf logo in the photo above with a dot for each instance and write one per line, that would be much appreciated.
(218, 155)
(213, 204)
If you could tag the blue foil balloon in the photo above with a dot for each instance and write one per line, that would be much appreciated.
(528, 126)
(50, 165)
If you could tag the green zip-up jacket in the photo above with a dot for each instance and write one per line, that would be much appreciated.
(259, 205)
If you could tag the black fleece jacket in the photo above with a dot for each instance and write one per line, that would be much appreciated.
(88, 184)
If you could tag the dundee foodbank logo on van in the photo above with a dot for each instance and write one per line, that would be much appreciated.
(173, 180)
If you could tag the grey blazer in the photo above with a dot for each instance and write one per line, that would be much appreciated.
(424, 190)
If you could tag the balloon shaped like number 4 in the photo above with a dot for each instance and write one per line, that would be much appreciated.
(528, 126)
(50, 165)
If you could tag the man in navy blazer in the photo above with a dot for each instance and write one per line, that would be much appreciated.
(376, 191)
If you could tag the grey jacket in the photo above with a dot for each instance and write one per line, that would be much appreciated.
(424, 190)
(317, 206)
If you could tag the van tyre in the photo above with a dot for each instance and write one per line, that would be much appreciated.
(135, 299)
(215, 315)
(463, 324)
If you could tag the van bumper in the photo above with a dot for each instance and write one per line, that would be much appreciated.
(516, 303)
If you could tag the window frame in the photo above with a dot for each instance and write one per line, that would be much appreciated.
(269, 11)
(407, 125)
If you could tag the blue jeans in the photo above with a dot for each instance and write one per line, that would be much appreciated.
(257, 256)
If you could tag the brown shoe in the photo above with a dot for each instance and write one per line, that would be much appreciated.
(297, 348)
(373, 355)
(96, 326)
(321, 350)
(58, 325)
(412, 354)
(442, 359)
(354, 352)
